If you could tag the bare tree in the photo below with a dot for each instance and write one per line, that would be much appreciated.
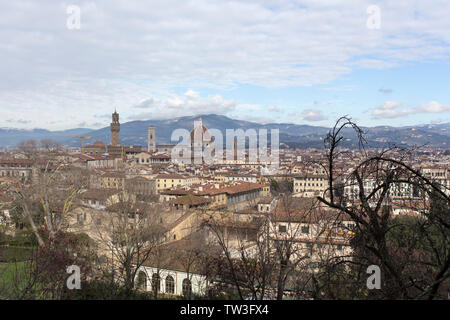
(29, 148)
(55, 190)
(50, 145)
(416, 268)
(131, 232)
(262, 264)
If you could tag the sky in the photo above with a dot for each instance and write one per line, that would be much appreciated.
(70, 64)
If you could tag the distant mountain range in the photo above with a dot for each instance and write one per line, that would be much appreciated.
(292, 135)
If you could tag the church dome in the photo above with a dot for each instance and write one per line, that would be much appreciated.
(98, 144)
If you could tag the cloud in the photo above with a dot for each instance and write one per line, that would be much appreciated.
(189, 104)
(275, 109)
(312, 115)
(146, 103)
(385, 91)
(432, 107)
(216, 43)
(390, 109)
(128, 50)
(190, 94)
(20, 121)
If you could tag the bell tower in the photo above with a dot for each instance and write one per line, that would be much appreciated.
(115, 128)
(151, 139)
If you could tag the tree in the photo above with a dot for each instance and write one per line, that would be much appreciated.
(261, 264)
(408, 271)
(131, 232)
(56, 190)
(50, 145)
(29, 148)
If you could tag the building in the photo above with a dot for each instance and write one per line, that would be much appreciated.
(114, 149)
(151, 139)
(169, 181)
(151, 142)
(98, 198)
(140, 186)
(146, 157)
(21, 168)
(310, 185)
(171, 272)
(115, 129)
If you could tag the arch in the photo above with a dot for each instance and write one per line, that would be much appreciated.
(170, 285)
(187, 287)
(156, 282)
(142, 280)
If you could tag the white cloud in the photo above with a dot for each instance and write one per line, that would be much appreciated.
(432, 107)
(187, 105)
(390, 109)
(275, 109)
(190, 94)
(128, 50)
(146, 103)
(312, 115)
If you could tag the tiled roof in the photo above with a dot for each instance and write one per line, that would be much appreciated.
(98, 194)
(190, 199)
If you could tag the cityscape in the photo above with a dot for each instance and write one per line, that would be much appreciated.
(203, 171)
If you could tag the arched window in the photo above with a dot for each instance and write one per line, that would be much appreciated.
(156, 282)
(187, 287)
(170, 285)
(142, 280)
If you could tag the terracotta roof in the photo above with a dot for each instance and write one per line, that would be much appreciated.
(174, 192)
(190, 199)
(206, 135)
(98, 194)
(173, 256)
(266, 200)
(16, 161)
(170, 176)
(98, 144)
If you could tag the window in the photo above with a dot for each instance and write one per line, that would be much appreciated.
(339, 247)
(309, 245)
(187, 287)
(142, 280)
(170, 285)
(81, 218)
(155, 282)
(281, 228)
(305, 229)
